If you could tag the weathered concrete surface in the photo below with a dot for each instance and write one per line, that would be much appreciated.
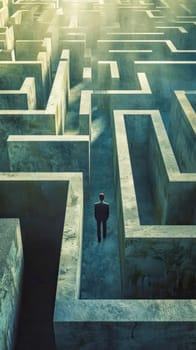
(21, 121)
(59, 95)
(15, 73)
(182, 130)
(7, 37)
(24, 98)
(164, 178)
(76, 61)
(127, 335)
(69, 275)
(50, 153)
(29, 49)
(160, 268)
(50, 120)
(39, 200)
(11, 273)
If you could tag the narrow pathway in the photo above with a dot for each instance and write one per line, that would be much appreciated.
(101, 264)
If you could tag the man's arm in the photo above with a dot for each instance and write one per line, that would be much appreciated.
(95, 211)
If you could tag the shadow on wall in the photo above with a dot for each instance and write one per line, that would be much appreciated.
(161, 269)
(40, 205)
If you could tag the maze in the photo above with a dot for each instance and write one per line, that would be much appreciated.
(97, 96)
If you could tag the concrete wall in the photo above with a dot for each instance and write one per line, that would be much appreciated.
(77, 49)
(48, 121)
(25, 98)
(28, 122)
(39, 201)
(158, 176)
(85, 112)
(173, 192)
(134, 271)
(124, 335)
(181, 201)
(5, 55)
(164, 78)
(29, 88)
(4, 15)
(59, 95)
(26, 50)
(47, 153)
(12, 76)
(37, 50)
(21, 16)
(182, 131)
(160, 268)
(139, 135)
(11, 272)
(119, 211)
(26, 32)
(7, 36)
(127, 211)
(13, 100)
(69, 273)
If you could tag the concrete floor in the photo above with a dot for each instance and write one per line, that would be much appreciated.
(101, 265)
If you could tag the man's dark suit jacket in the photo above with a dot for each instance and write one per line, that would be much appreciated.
(101, 211)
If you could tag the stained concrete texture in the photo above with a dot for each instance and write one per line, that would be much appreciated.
(11, 273)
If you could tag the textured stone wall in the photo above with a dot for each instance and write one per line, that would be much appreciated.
(181, 130)
(125, 335)
(161, 268)
(11, 273)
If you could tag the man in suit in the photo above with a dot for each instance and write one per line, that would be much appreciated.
(101, 215)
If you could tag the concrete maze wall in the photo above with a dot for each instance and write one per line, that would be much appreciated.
(97, 96)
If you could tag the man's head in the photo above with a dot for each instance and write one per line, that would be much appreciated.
(101, 196)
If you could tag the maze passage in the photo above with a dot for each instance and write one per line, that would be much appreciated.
(97, 96)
